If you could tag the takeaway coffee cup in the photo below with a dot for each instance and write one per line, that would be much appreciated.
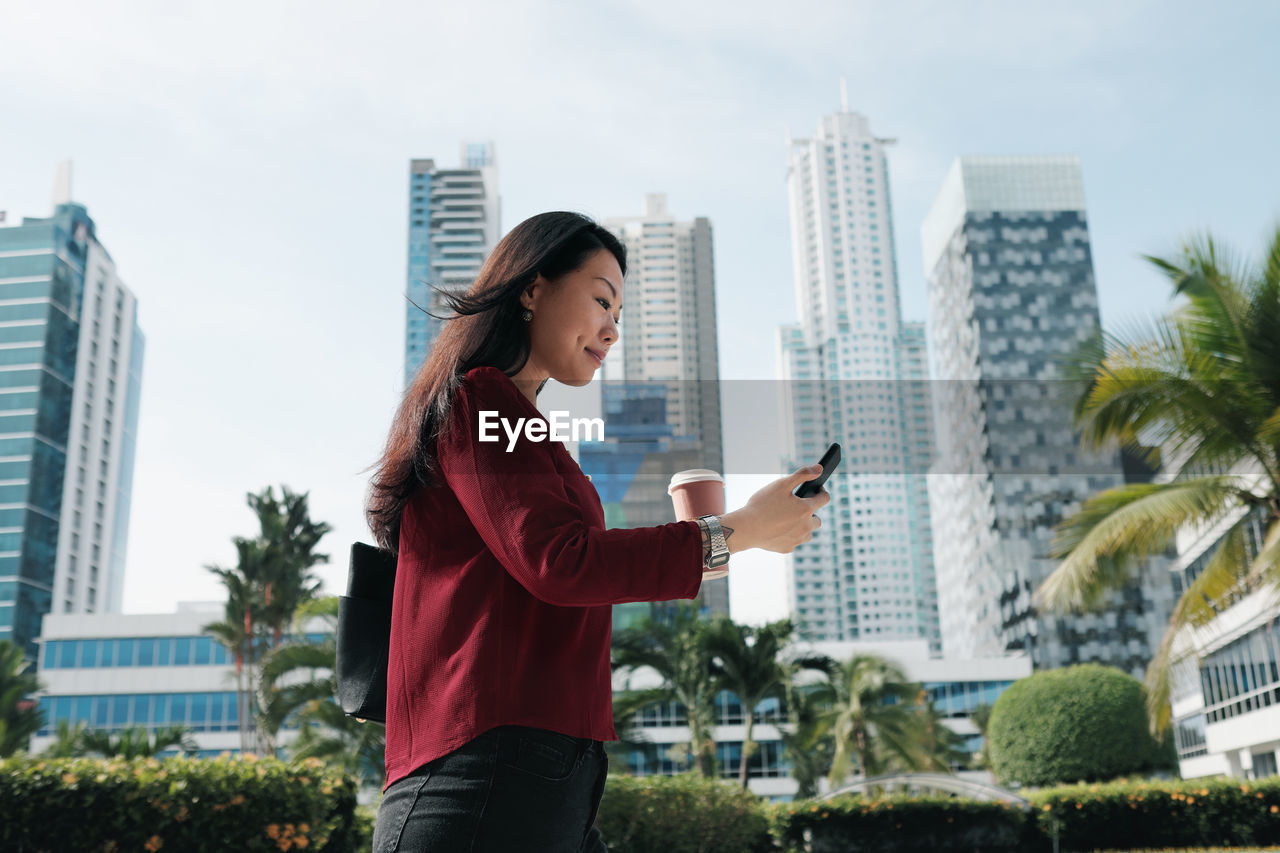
(695, 493)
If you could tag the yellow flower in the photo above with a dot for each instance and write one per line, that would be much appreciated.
(304, 828)
(1079, 805)
(69, 779)
(154, 843)
(1275, 809)
(301, 841)
(1047, 807)
(273, 831)
(236, 800)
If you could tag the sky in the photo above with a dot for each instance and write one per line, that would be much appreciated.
(247, 168)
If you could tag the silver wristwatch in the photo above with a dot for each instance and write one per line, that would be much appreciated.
(719, 545)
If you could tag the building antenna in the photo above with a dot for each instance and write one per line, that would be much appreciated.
(62, 184)
(844, 94)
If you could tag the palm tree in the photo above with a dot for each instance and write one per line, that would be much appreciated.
(941, 749)
(20, 716)
(298, 685)
(627, 705)
(272, 578)
(981, 717)
(136, 742)
(289, 538)
(68, 741)
(748, 663)
(1203, 384)
(238, 632)
(808, 745)
(870, 709)
(674, 646)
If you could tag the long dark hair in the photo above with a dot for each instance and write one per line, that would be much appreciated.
(485, 329)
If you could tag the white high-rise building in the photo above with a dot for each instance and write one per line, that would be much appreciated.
(668, 349)
(454, 222)
(670, 333)
(853, 372)
(93, 532)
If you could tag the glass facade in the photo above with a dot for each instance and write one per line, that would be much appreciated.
(1188, 735)
(42, 268)
(1011, 298)
(952, 698)
(199, 712)
(113, 652)
(766, 762)
(1243, 675)
(960, 698)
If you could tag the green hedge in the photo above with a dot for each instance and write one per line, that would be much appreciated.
(681, 814)
(1209, 813)
(1084, 723)
(187, 804)
(854, 824)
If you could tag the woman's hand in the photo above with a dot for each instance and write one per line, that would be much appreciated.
(774, 518)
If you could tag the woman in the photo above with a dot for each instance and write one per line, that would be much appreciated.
(498, 687)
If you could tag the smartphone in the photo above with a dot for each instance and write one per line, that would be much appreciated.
(829, 461)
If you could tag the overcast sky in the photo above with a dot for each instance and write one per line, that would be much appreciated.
(246, 164)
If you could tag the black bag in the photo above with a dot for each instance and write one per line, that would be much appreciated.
(364, 633)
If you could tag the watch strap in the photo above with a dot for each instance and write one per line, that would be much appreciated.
(719, 544)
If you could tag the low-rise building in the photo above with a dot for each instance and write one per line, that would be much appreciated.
(956, 688)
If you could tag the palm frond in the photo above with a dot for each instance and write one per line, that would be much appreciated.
(1124, 525)
(1224, 576)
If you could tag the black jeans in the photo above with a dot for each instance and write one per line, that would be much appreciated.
(511, 789)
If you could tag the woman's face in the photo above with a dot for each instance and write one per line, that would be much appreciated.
(575, 321)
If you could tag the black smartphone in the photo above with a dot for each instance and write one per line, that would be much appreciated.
(829, 461)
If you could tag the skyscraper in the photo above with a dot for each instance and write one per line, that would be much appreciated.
(1011, 296)
(854, 372)
(70, 383)
(454, 223)
(662, 394)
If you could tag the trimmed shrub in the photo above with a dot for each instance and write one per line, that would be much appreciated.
(1144, 815)
(854, 824)
(681, 814)
(187, 804)
(1080, 724)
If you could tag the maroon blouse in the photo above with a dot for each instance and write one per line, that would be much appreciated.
(506, 576)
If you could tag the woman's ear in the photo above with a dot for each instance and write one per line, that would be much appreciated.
(530, 295)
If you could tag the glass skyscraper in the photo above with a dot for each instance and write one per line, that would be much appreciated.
(454, 222)
(70, 382)
(1011, 298)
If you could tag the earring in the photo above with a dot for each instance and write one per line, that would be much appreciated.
(527, 315)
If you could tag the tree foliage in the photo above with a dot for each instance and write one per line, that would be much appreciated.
(20, 716)
(272, 578)
(1201, 387)
(1082, 723)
